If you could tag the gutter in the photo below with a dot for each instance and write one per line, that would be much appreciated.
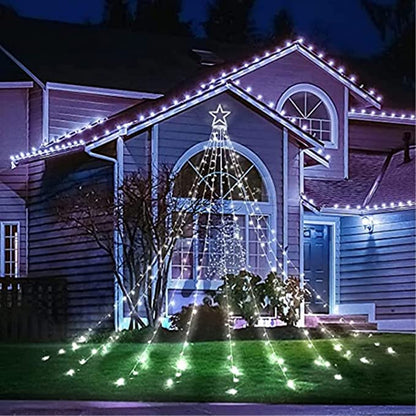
(118, 165)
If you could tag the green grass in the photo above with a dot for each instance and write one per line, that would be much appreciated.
(389, 379)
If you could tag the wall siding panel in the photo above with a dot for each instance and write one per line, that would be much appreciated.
(272, 80)
(13, 139)
(69, 111)
(59, 250)
(380, 267)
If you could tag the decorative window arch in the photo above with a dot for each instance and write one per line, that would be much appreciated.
(247, 215)
(310, 106)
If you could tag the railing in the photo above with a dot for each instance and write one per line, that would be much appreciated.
(32, 309)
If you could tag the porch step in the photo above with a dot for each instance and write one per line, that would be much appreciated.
(347, 322)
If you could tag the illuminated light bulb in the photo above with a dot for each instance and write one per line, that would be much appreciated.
(234, 370)
(291, 384)
(82, 361)
(45, 358)
(248, 89)
(336, 206)
(94, 351)
(232, 392)
(75, 346)
(376, 344)
(236, 380)
(61, 351)
(337, 347)
(70, 372)
(390, 350)
(338, 377)
(169, 383)
(181, 364)
(331, 62)
(120, 382)
(348, 354)
(364, 360)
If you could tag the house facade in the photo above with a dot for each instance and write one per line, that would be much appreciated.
(333, 172)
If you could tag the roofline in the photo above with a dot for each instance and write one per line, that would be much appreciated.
(305, 139)
(130, 128)
(24, 68)
(306, 52)
(110, 92)
(384, 118)
(16, 84)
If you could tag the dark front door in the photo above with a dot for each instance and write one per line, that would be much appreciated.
(316, 254)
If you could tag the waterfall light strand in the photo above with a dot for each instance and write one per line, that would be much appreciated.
(274, 358)
(181, 363)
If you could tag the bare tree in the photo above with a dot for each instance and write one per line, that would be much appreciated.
(138, 230)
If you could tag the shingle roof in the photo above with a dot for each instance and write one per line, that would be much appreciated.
(396, 183)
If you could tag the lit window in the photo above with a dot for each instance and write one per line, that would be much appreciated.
(9, 249)
(233, 238)
(312, 110)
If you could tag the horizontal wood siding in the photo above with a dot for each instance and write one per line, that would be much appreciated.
(136, 152)
(384, 137)
(14, 139)
(272, 80)
(58, 250)
(294, 208)
(69, 111)
(380, 267)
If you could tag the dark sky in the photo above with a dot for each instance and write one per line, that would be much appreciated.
(338, 24)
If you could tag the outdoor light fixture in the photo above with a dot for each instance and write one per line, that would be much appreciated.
(368, 224)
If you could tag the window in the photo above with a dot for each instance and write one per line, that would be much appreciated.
(214, 243)
(311, 108)
(9, 249)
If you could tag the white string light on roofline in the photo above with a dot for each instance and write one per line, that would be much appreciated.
(359, 208)
(383, 114)
(188, 96)
(54, 149)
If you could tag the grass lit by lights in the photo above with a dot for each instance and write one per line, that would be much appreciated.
(349, 379)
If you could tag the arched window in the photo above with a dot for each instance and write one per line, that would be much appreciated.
(310, 107)
(219, 178)
(234, 237)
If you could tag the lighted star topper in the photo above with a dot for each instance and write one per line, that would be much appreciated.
(219, 116)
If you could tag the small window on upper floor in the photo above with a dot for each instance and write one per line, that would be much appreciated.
(311, 108)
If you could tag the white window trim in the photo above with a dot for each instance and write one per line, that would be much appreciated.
(322, 95)
(268, 208)
(2, 248)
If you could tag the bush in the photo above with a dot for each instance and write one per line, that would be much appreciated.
(243, 294)
(209, 322)
(248, 295)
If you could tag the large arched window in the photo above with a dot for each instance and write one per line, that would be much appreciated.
(235, 237)
(310, 107)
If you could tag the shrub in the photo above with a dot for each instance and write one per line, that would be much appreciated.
(209, 322)
(244, 294)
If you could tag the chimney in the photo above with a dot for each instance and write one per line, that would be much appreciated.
(406, 139)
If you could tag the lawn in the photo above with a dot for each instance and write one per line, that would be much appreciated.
(386, 378)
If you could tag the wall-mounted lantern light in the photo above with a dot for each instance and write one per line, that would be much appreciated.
(368, 223)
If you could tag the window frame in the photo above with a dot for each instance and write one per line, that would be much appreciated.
(268, 209)
(324, 97)
(3, 224)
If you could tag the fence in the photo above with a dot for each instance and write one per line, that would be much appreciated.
(32, 309)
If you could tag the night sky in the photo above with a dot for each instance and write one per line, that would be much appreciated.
(338, 24)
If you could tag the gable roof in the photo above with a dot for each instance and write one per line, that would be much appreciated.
(376, 182)
(142, 116)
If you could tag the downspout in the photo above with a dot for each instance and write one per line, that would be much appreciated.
(118, 249)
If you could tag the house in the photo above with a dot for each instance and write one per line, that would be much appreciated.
(333, 171)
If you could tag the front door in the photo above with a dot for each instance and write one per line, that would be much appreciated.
(316, 268)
